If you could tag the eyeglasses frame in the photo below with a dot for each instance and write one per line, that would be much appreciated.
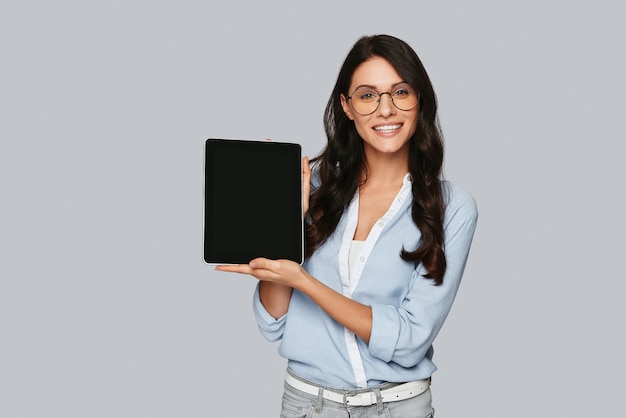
(380, 96)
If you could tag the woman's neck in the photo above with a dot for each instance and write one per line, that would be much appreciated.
(385, 170)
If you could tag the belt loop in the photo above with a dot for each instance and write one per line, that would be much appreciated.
(320, 400)
(379, 401)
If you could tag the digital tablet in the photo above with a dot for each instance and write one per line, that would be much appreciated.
(253, 201)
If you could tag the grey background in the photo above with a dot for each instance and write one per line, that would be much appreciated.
(106, 307)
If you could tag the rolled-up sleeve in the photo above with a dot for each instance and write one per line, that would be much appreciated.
(271, 328)
(404, 334)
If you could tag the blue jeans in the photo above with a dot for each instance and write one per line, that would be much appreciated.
(297, 404)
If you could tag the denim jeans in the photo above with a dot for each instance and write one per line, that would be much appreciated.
(297, 404)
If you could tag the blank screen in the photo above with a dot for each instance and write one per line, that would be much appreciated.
(253, 203)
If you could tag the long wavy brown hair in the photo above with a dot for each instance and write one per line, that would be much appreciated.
(342, 161)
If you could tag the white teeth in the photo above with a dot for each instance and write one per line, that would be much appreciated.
(387, 128)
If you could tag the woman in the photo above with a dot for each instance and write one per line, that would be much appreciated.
(386, 245)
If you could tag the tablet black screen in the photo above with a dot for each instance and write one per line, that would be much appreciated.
(253, 201)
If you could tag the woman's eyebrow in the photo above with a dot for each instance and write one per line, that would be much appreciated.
(376, 88)
(365, 85)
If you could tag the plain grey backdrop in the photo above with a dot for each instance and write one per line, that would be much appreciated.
(106, 306)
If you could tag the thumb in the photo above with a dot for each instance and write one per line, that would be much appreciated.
(259, 263)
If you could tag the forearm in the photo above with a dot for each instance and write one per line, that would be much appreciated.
(351, 314)
(275, 298)
(280, 277)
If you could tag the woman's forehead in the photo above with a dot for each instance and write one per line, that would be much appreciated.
(376, 72)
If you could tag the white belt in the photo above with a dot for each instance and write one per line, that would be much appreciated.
(356, 398)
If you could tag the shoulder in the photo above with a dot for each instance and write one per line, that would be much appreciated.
(458, 201)
(315, 177)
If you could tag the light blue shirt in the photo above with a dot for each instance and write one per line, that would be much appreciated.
(407, 309)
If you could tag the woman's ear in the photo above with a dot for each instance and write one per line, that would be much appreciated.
(346, 106)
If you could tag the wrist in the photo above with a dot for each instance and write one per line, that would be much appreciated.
(305, 281)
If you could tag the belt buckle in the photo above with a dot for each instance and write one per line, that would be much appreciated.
(365, 397)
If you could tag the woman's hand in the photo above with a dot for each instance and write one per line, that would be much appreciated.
(284, 272)
(306, 185)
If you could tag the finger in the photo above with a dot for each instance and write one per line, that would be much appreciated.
(234, 268)
(260, 273)
(306, 185)
(306, 169)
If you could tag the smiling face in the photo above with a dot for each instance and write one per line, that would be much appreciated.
(388, 130)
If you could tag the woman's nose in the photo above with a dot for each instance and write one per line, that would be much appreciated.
(386, 106)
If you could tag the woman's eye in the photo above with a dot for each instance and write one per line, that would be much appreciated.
(401, 93)
(368, 96)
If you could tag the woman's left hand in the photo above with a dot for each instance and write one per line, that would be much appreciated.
(306, 185)
(285, 272)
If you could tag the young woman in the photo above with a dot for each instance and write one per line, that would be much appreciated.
(386, 244)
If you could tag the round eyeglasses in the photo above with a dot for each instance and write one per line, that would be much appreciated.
(365, 100)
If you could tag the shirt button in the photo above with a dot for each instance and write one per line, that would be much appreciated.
(381, 223)
(400, 199)
(362, 259)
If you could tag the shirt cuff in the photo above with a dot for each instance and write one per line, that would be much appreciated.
(385, 332)
(270, 327)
